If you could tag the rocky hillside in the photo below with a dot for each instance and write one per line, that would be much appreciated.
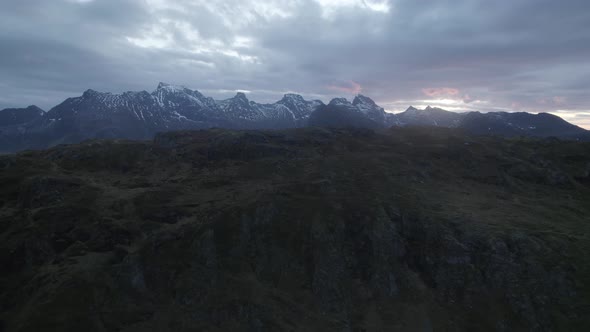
(297, 230)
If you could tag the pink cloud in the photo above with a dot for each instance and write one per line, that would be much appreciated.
(555, 101)
(350, 87)
(440, 92)
(558, 100)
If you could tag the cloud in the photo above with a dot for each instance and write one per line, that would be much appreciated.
(580, 118)
(495, 55)
(445, 94)
(440, 92)
(350, 87)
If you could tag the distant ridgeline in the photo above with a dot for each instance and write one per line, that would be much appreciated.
(140, 115)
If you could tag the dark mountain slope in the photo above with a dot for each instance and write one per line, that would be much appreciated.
(493, 123)
(14, 123)
(430, 116)
(520, 124)
(298, 230)
(340, 113)
(16, 116)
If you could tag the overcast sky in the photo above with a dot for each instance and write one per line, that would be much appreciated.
(517, 55)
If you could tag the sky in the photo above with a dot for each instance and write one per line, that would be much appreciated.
(460, 55)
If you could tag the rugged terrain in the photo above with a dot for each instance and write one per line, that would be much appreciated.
(409, 229)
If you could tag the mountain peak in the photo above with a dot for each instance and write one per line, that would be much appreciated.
(339, 101)
(15, 116)
(170, 87)
(241, 96)
(292, 96)
(35, 108)
(360, 99)
(90, 93)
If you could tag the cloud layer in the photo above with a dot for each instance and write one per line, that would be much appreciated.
(522, 55)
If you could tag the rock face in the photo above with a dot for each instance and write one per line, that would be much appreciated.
(369, 108)
(306, 229)
(299, 107)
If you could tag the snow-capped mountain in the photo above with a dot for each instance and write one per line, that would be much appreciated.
(291, 111)
(299, 107)
(188, 108)
(369, 108)
(140, 115)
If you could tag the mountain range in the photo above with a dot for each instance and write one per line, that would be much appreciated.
(140, 115)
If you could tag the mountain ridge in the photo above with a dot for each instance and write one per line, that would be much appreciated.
(141, 114)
